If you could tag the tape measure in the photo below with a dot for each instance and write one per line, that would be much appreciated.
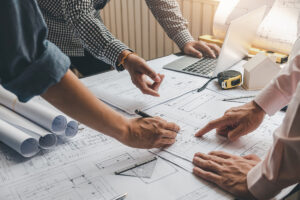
(229, 79)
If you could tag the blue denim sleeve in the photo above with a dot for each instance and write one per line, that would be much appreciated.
(29, 64)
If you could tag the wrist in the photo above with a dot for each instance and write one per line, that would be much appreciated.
(123, 130)
(257, 108)
(124, 57)
(122, 54)
(119, 128)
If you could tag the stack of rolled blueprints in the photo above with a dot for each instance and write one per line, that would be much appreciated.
(29, 127)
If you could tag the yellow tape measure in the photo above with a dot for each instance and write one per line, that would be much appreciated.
(229, 79)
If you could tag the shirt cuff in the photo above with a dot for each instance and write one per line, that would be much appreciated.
(44, 72)
(259, 186)
(182, 38)
(113, 51)
(271, 99)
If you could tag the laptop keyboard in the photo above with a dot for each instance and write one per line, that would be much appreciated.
(204, 66)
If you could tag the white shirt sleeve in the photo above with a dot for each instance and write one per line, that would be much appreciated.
(280, 91)
(281, 167)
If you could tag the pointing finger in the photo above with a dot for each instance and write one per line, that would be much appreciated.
(221, 122)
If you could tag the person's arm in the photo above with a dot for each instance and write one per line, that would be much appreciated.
(249, 178)
(242, 120)
(280, 91)
(281, 166)
(29, 64)
(73, 98)
(168, 14)
(97, 39)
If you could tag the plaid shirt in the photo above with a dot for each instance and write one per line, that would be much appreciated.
(75, 25)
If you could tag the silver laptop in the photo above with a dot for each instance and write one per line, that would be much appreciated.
(237, 43)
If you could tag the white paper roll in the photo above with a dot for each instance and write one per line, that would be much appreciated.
(72, 125)
(42, 115)
(21, 142)
(72, 128)
(45, 138)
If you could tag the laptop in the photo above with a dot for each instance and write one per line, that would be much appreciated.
(240, 34)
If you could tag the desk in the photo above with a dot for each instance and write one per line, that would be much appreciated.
(83, 167)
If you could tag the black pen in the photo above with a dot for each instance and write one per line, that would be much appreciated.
(142, 114)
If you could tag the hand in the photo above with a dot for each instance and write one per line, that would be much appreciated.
(198, 48)
(236, 122)
(138, 70)
(227, 171)
(147, 133)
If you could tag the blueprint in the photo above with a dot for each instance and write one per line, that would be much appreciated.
(88, 172)
(118, 90)
(84, 167)
(195, 110)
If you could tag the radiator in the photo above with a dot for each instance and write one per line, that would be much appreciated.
(132, 22)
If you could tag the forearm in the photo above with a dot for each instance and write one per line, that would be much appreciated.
(280, 91)
(74, 99)
(280, 168)
(168, 14)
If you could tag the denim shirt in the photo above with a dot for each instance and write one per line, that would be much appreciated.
(29, 63)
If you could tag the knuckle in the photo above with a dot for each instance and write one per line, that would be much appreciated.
(210, 163)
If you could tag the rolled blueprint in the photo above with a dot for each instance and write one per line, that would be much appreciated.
(72, 125)
(41, 115)
(46, 139)
(21, 142)
(72, 128)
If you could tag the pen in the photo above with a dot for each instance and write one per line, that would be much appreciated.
(142, 114)
(242, 97)
(121, 197)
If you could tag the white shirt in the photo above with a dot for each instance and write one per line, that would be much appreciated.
(281, 167)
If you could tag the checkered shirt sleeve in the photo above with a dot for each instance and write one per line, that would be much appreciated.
(168, 14)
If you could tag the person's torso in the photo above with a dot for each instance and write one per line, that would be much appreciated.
(59, 32)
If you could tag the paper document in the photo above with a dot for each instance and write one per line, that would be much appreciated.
(45, 117)
(280, 28)
(84, 169)
(46, 139)
(229, 10)
(118, 90)
(195, 110)
(277, 32)
(192, 112)
(16, 139)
